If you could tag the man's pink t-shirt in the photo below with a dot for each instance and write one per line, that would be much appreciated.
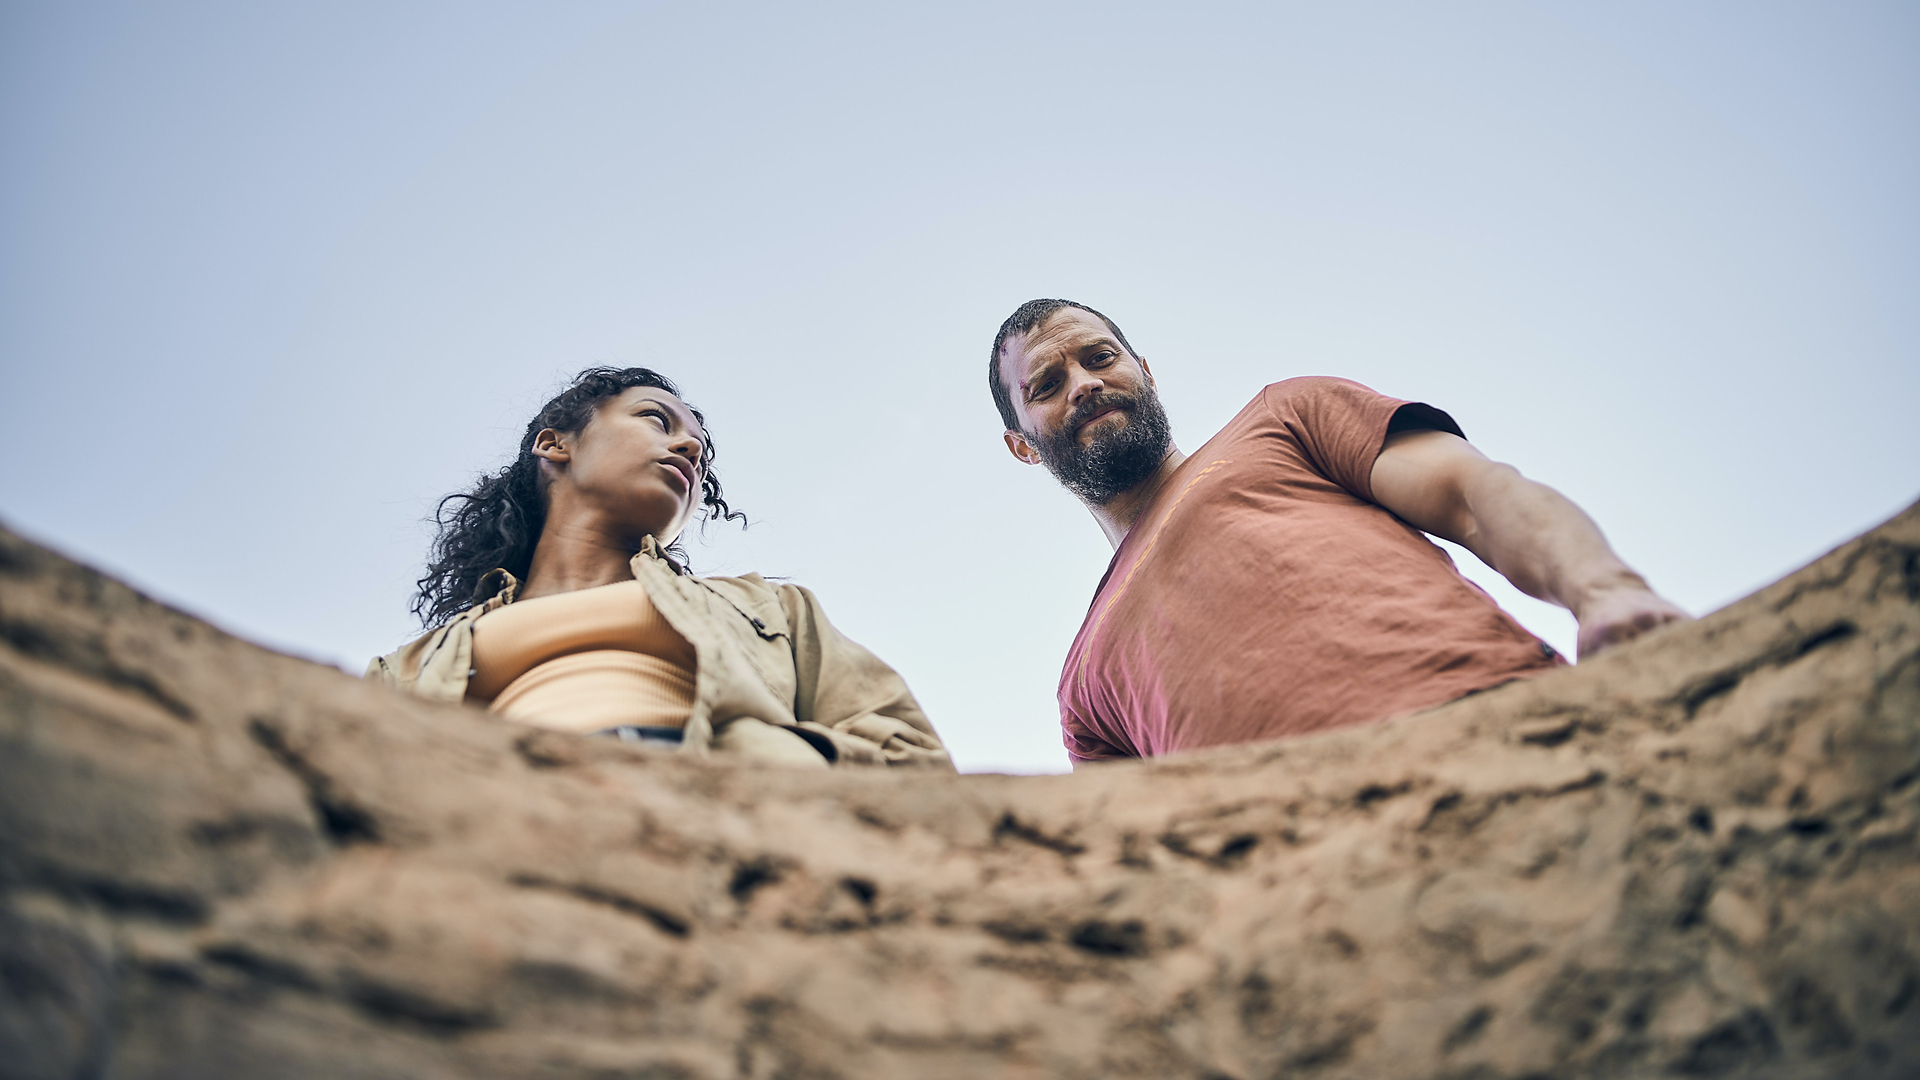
(1263, 594)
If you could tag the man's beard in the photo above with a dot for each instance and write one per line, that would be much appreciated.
(1114, 463)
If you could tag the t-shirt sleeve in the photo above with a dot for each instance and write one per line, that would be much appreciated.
(1341, 425)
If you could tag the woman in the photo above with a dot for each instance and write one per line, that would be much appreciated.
(562, 599)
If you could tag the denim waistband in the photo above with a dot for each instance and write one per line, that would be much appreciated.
(655, 736)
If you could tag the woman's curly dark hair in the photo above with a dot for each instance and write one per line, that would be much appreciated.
(498, 523)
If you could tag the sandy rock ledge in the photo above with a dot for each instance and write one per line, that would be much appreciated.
(1696, 856)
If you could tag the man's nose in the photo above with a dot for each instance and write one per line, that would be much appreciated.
(1085, 384)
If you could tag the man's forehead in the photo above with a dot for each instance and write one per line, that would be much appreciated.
(1062, 332)
(1071, 325)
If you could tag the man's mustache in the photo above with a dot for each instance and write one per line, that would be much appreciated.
(1099, 403)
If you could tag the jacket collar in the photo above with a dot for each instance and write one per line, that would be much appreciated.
(496, 587)
(651, 548)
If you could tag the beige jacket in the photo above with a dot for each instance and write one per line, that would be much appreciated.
(764, 652)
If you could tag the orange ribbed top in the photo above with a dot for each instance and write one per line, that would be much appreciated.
(583, 661)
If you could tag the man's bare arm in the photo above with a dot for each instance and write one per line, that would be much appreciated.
(1540, 541)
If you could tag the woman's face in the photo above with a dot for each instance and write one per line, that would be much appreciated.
(635, 468)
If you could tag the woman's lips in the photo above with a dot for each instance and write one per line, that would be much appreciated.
(683, 468)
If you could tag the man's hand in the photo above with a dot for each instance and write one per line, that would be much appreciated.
(1439, 483)
(1612, 616)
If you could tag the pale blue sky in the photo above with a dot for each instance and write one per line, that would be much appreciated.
(274, 277)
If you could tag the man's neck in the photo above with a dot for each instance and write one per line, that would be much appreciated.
(1116, 518)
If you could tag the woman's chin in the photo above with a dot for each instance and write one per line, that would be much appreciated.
(663, 517)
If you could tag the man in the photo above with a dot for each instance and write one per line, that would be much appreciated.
(1277, 582)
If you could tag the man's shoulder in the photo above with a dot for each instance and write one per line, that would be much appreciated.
(1303, 388)
(1291, 407)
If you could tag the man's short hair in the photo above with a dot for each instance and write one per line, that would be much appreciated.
(1026, 318)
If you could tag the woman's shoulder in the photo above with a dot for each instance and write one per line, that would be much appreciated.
(750, 587)
(749, 581)
(763, 598)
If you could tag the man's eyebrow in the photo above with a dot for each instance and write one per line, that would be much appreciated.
(1035, 370)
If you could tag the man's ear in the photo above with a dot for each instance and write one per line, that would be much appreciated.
(1019, 447)
(1145, 368)
(550, 445)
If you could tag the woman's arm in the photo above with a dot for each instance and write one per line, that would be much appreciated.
(846, 690)
(435, 665)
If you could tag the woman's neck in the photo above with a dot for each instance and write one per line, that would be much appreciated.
(572, 555)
